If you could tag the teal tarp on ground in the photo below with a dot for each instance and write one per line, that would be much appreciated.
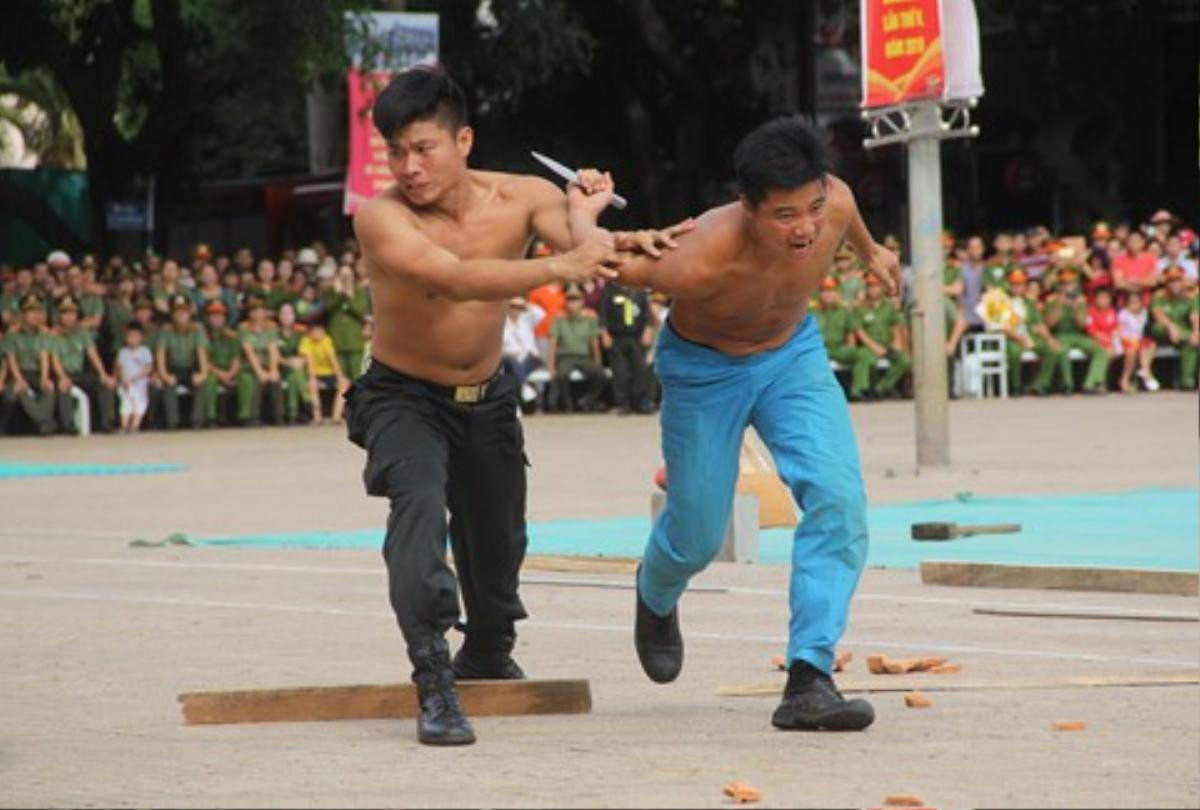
(1152, 528)
(9, 469)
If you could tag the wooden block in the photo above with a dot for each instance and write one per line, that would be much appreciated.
(840, 660)
(742, 793)
(903, 800)
(1060, 577)
(906, 684)
(379, 701)
(1070, 725)
(775, 506)
(916, 700)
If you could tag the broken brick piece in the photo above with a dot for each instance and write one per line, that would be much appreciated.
(903, 800)
(917, 700)
(875, 664)
(929, 663)
(778, 662)
(841, 659)
(1070, 725)
(742, 793)
(947, 669)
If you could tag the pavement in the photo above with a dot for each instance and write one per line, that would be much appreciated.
(97, 638)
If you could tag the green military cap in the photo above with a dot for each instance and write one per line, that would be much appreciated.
(67, 303)
(180, 302)
(32, 301)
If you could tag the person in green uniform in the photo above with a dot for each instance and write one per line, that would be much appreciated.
(346, 307)
(575, 346)
(224, 357)
(118, 312)
(998, 266)
(295, 368)
(1030, 334)
(880, 329)
(181, 350)
(1066, 315)
(837, 324)
(1177, 323)
(260, 375)
(164, 290)
(10, 302)
(77, 363)
(91, 305)
(29, 382)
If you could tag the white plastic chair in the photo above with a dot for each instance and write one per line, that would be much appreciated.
(982, 370)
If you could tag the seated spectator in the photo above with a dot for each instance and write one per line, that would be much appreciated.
(1028, 333)
(134, 367)
(260, 376)
(296, 377)
(224, 358)
(1177, 325)
(77, 364)
(575, 346)
(521, 354)
(323, 370)
(182, 350)
(878, 328)
(1066, 317)
(624, 320)
(997, 267)
(1174, 256)
(347, 306)
(1096, 273)
(30, 385)
(209, 288)
(1102, 322)
(550, 299)
(839, 326)
(1137, 348)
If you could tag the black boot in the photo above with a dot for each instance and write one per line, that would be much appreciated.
(482, 658)
(658, 641)
(811, 702)
(441, 720)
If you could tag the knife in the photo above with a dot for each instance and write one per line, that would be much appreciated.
(571, 176)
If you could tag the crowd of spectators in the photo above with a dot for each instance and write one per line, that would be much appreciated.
(1122, 300)
(242, 340)
(155, 343)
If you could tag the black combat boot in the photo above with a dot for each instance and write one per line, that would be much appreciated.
(811, 702)
(658, 641)
(487, 658)
(441, 720)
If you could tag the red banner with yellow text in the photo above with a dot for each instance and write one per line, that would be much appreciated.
(367, 170)
(903, 51)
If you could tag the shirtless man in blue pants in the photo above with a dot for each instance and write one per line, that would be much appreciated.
(739, 349)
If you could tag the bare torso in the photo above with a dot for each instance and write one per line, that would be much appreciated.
(741, 304)
(425, 335)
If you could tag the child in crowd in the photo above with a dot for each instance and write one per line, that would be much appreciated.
(324, 370)
(135, 364)
(1131, 329)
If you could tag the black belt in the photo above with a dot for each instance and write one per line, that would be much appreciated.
(466, 394)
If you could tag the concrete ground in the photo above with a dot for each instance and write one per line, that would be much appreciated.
(97, 638)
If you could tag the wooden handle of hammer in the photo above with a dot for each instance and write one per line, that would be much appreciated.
(989, 528)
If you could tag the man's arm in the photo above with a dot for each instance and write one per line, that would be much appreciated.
(879, 261)
(393, 246)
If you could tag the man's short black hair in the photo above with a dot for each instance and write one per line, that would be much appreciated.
(416, 94)
(784, 153)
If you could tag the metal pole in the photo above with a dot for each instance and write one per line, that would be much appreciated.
(929, 320)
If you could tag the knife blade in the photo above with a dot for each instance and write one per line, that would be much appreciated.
(571, 176)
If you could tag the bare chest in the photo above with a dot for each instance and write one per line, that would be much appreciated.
(500, 231)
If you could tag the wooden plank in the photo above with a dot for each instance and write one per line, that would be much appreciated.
(1060, 577)
(1076, 614)
(941, 683)
(380, 701)
(583, 565)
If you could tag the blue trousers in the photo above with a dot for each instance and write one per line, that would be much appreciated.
(791, 398)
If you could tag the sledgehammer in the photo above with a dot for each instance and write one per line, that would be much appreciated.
(952, 531)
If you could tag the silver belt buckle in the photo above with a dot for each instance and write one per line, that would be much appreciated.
(469, 393)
